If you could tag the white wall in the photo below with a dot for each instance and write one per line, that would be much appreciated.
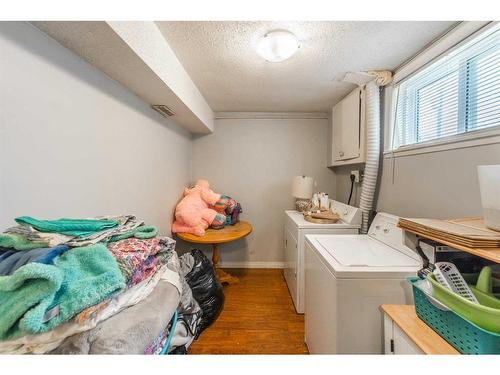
(254, 161)
(75, 143)
(439, 184)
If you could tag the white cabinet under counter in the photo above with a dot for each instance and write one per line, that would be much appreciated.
(405, 333)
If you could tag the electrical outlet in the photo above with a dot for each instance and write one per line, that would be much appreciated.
(356, 175)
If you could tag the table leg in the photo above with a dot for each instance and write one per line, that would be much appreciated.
(222, 276)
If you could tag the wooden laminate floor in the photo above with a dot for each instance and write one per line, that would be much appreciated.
(258, 318)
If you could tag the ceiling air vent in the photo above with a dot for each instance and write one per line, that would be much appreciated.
(163, 110)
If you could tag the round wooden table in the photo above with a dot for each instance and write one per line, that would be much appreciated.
(217, 236)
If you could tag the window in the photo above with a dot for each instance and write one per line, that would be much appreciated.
(458, 93)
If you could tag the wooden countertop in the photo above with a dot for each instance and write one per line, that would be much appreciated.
(492, 254)
(420, 333)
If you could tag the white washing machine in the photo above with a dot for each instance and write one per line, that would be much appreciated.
(347, 278)
(294, 242)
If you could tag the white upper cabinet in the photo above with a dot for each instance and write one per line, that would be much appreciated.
(347, 135)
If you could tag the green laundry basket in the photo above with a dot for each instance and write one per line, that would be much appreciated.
(472, 278)
(486, 314)
(463, 335)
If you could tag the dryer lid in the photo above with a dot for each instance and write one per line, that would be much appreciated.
(363, 251)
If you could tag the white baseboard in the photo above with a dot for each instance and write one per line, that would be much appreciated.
(252, 264)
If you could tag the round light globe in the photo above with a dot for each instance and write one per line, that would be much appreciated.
(277, 46)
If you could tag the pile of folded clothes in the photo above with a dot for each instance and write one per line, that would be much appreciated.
(105, 285)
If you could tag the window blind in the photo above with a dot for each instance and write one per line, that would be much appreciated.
(458, 93)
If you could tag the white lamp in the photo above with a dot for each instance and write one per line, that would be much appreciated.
(302, 189)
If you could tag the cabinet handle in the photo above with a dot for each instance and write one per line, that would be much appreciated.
(341, 153)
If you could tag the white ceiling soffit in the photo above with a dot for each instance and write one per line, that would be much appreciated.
(138, 56)
(221, 59)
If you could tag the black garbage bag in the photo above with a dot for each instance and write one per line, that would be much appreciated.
(180, 350)
(207, 290)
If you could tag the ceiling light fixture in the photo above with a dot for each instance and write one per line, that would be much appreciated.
(278, 45)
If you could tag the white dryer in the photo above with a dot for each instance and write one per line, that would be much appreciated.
(347, 278)
(296, 227)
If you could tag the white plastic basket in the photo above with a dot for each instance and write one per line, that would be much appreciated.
(449, 276)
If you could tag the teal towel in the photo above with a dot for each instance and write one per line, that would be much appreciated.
(19, 242)
(69, 227)
(38, 297)
(142, 233)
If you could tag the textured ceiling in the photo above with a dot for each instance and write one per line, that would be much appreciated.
(220, 57)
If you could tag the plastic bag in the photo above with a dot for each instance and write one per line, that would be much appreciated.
(207, 290)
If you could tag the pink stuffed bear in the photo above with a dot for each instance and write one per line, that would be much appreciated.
(193, 213)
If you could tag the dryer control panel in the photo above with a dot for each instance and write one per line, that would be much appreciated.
(385, 229)
(348, 214)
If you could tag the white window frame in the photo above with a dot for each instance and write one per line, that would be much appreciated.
(456, 38)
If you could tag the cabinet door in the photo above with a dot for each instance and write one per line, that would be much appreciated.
(396, 341)
(388, 335)
(403, 344)
(346, 127)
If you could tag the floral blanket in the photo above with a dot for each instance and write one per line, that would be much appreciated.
(139, 259)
